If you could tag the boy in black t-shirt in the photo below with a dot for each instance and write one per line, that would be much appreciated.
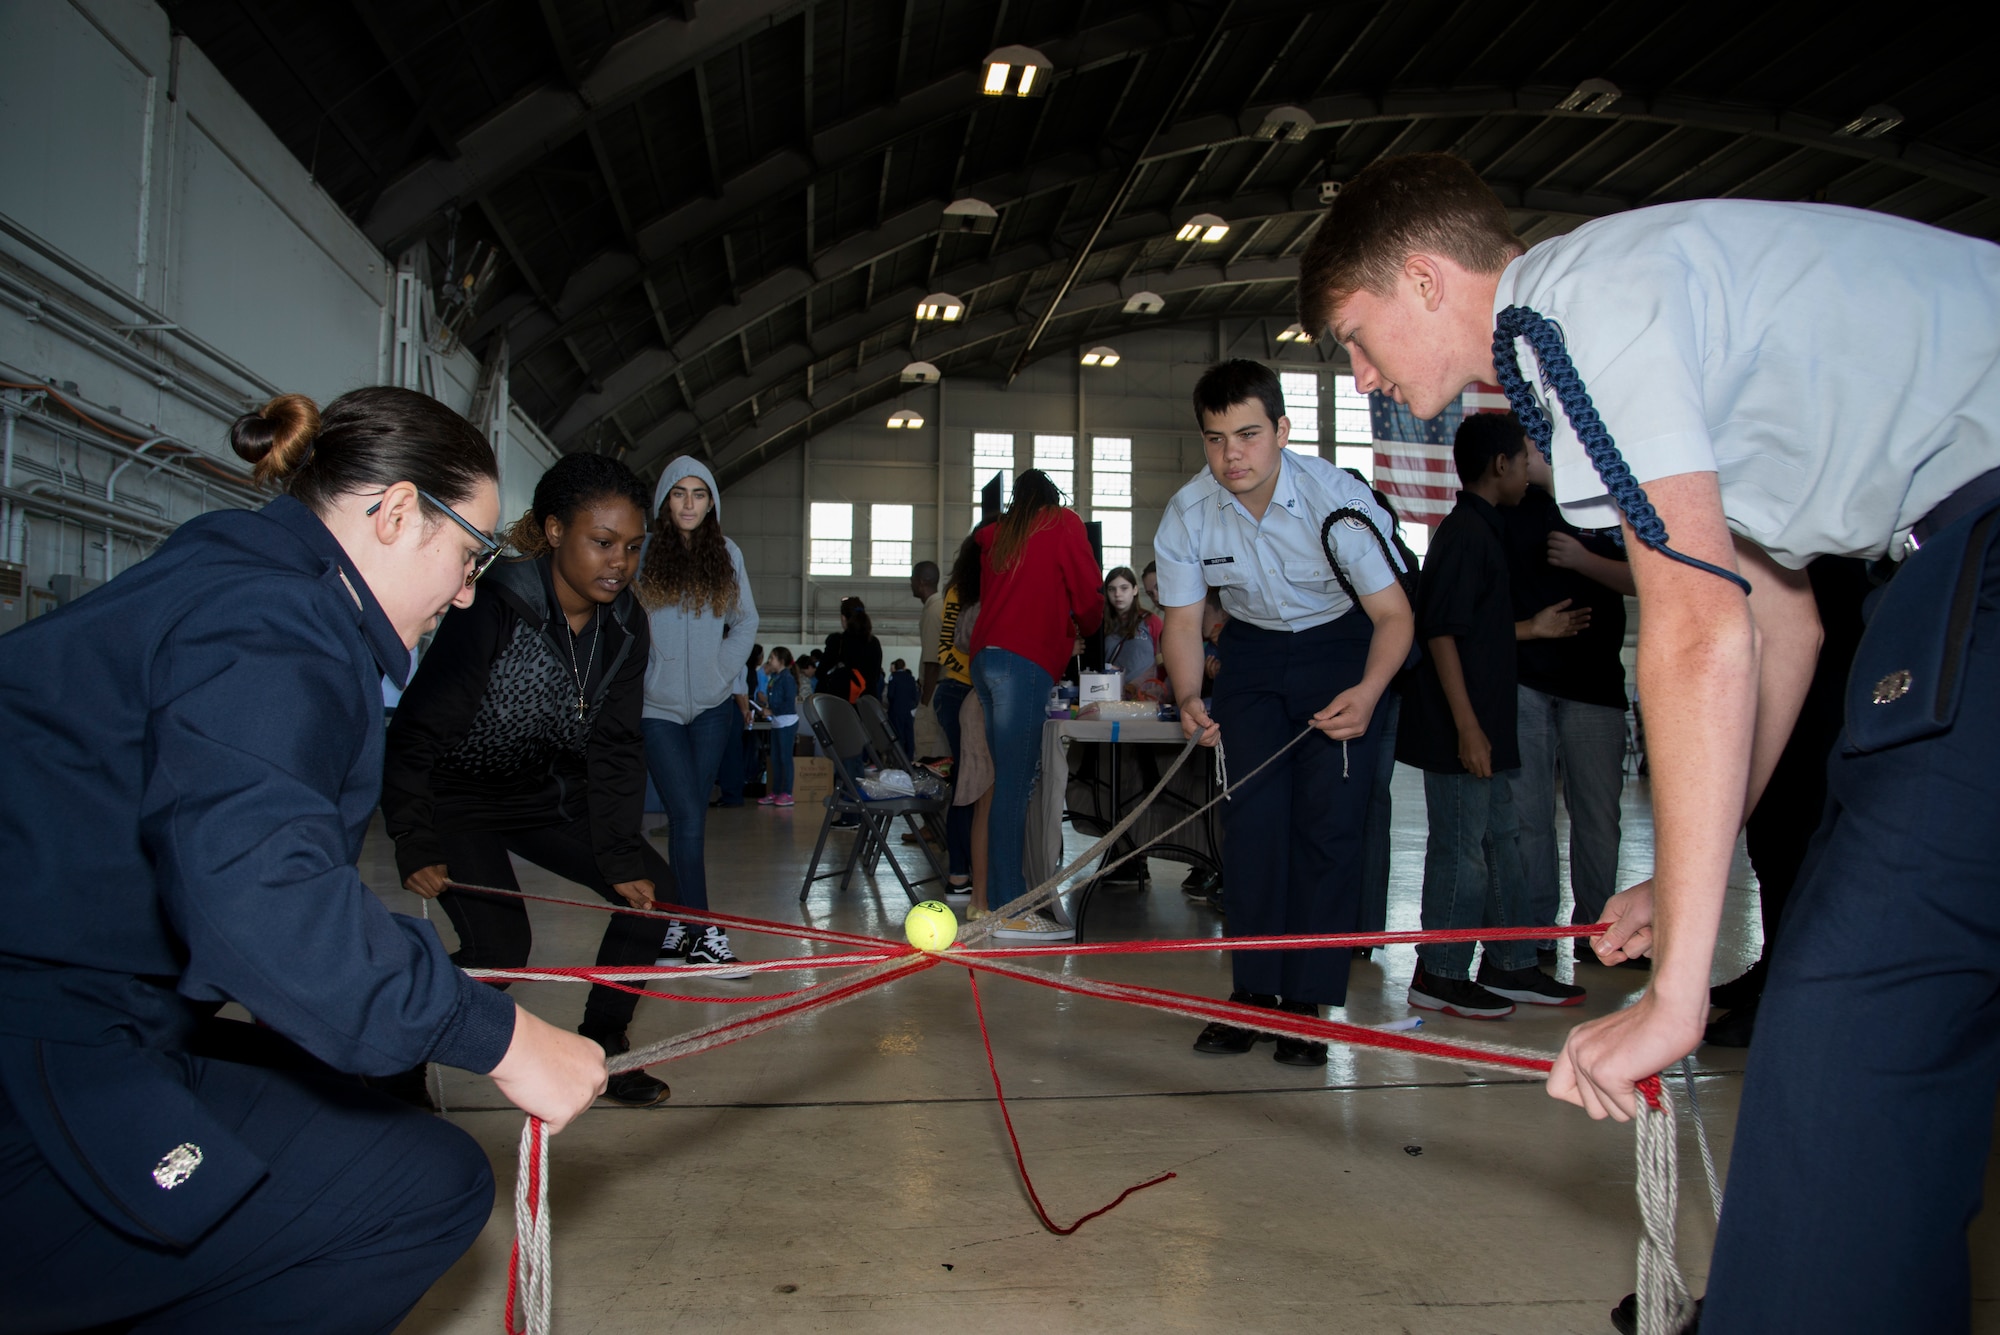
(1458, 727)
(1572, 705)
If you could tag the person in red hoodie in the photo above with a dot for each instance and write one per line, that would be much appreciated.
(1039, 590)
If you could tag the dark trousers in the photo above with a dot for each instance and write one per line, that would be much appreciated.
(493, 933)
(946, 702)
(1292, 838)
(1867, 1114)
(368, 1201)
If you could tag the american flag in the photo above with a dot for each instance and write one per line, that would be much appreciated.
(1413, 456)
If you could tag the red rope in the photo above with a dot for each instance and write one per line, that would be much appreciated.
(1034, 1197)
(1325, 941)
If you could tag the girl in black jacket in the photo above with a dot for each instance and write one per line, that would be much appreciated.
(520, 734)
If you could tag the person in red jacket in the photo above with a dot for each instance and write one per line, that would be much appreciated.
(1039, 590)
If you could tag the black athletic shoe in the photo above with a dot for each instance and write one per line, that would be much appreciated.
(1743, 990)
(1229, 1039)
(1625, 1317)
(1456, 996)
(1529, 986)
(1299, 1051)
(1732, 1029)
(636, 1089)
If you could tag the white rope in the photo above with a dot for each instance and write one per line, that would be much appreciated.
(531, 1230)
(1701, 1139)
(1664, 1305)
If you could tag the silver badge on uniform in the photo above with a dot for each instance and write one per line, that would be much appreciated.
(178, 1165)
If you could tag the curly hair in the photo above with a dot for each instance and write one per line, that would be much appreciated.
(573, 483)
(692, 572)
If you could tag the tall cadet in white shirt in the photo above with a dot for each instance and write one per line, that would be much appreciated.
(1297, 652)
(1782, 381)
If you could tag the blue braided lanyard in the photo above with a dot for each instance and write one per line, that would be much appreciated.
(1559, 372)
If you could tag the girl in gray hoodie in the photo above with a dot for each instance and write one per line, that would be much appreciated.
(703, 621)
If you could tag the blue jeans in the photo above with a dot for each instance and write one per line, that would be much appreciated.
(1590, 740)
(1472, 871)
(945, 701)
(1014, 692)
(1381, 812)
(731, 773)
(683, 759)
(782, 741)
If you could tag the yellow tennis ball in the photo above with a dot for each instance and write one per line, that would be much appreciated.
(931, 925)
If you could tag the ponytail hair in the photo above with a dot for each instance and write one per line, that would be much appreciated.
(365, 440)
(574, 482)
(1035, 506)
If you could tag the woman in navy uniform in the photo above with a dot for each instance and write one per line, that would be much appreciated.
(193, 753)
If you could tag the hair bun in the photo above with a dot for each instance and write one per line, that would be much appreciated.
(277, 439)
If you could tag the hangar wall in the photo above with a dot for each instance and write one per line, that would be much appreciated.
(165, 263)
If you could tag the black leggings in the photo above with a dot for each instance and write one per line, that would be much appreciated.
(493, 932)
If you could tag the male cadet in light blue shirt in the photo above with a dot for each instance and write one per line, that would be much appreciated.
(1311, 643)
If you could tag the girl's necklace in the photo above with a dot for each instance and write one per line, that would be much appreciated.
(582, 702)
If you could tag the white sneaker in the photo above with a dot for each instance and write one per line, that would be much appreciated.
(674, 946)
(1033, 927)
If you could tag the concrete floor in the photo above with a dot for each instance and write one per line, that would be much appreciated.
(851, 1173)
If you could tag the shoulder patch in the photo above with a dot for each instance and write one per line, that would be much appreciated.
(1357, 524)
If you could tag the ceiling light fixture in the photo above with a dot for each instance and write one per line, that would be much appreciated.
(1594, 96)
(921, 373)
(1288, 124)
(1145, 303)
(970, 215)
(1101, 356)
(1873, 123)
(940, 306)
(1203, 227)
(1294, 333)
(903, 419)
(1019, 70)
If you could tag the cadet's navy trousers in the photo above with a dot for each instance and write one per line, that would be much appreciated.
(1867, 1113)
(1292, 838)
(368, 1201)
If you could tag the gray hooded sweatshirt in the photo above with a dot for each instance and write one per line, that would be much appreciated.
(698, 656)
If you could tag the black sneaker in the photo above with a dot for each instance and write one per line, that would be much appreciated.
(1231, 1039)
(1456, 996)
(673, 946)
(1299, 1051)
(1625, 1317)
(1732, 1029)
(636, 1089)
(1529, 986)
(1743, 990)
(712, 947)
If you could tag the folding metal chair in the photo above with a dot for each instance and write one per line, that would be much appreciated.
(888, 753)
(841, 735)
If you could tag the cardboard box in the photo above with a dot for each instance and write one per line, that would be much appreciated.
(1095, 687)
(812, 780)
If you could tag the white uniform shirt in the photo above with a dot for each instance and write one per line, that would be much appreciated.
(1839, 370)
(1272, 574)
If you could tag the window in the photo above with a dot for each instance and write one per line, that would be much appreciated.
(1301, 390)
(1056, 456)
(1117, 536)
(992, 452)
(1417, 536)
(891, 531)
(832, 538)
(1110, 471)
(1361, 458)
(1351, 424)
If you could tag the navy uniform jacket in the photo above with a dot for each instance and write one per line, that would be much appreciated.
(192, 756)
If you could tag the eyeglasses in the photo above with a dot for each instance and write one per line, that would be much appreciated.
(492, 548)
